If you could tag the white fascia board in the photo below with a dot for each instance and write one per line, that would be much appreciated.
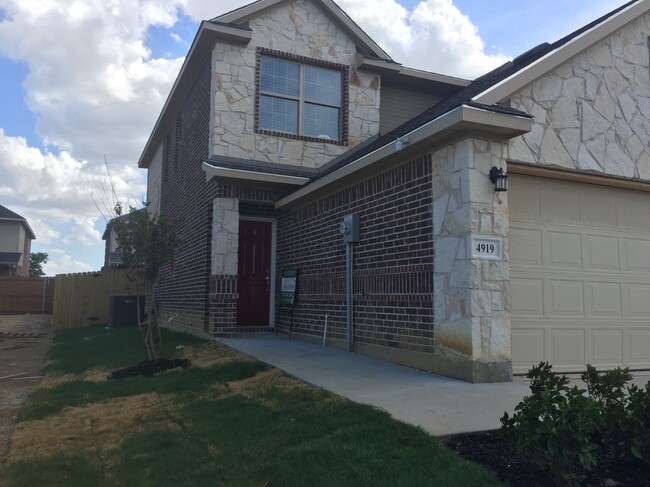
(461, 117)
(505, 88)
(241, 174)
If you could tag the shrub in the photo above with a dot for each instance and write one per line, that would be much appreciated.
(559, 428)
(553, 427)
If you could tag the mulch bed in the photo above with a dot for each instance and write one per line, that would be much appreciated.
(149, 368)
(488, 449)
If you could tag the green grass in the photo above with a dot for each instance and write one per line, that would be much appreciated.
(289, 437)
(77, 350)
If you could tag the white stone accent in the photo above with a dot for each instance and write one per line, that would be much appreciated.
(471, 296)
(593, 112)
(299, 28)
(225, 236)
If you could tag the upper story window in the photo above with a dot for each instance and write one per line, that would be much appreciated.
(300, 99)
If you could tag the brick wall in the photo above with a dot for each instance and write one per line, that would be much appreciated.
(189, 297)
(393, 262)
(184, 288)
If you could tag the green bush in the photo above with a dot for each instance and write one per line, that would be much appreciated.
(553, 427)
(559, 428)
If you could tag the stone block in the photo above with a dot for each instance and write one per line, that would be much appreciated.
(445, 249)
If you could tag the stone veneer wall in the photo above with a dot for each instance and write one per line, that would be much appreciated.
(593, 112)
(393, 308)
(298, 28)
(471, 296)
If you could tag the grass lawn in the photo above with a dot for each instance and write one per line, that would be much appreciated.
(226, 420)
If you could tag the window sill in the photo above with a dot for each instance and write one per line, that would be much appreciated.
(304, 138)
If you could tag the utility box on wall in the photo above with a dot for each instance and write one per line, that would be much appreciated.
(350, 228)
(123, 310)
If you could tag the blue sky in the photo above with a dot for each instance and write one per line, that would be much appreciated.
(82, 81)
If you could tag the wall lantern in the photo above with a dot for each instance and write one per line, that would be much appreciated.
(499, 178)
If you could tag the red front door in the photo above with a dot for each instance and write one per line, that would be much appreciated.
(254, 273)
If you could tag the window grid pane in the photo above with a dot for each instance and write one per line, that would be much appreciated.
(278, 114)
(313, 110)
(323, 85)
(280, 77)
(321, 121)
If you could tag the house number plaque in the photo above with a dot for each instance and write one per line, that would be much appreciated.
(485, 247)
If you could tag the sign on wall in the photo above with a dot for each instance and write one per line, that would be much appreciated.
(485, 247)
(289, 286)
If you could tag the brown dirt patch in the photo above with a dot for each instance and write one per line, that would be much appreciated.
(95, 427)
(24, 342)
(211, 354)
(263, 382)
(93, 375)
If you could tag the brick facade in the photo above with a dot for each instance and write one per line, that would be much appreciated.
(393, 262)
(189, 297)
(184, 286)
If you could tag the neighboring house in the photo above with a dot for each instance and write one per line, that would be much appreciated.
(112, 255)
(286, 117)
(15, 243)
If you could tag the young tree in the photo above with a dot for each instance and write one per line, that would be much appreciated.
(146, 242)
(36, 261)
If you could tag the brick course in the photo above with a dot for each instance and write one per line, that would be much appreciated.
(393, 262)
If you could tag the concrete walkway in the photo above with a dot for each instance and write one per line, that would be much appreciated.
(440, 405)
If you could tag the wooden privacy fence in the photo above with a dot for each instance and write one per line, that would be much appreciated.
(19, 295)
(83, 299)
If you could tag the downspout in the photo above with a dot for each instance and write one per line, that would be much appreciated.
(348, 288)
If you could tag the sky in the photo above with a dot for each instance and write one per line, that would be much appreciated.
(82, 83)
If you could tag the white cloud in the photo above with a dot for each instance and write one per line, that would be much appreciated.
(434, 36)
(88, 65)
(62, 263)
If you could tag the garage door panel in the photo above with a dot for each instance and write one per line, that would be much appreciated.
(566, 298)
(526, 247)
(604, 299)
(632, 210)
(601, 253)
(564, 250)
(638, 349)
(637, 255)
(606, 348)
(527, 348)
(527, 297)
(598, 207)
(566, 347)
(527, 195)
(638, 300)
(559, 205)
(588, 297)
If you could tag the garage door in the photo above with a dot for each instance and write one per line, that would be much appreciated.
(579, 275)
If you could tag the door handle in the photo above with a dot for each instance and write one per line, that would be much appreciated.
(268, 280)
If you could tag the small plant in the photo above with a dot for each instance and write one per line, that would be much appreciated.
(553, 427)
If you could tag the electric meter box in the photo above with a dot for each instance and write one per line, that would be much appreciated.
(350, 228)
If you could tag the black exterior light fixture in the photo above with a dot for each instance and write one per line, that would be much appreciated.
(500, 179)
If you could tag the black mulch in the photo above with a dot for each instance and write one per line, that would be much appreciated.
(488, 449)
(149, 368)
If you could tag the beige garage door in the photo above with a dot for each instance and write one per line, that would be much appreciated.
(579, 275)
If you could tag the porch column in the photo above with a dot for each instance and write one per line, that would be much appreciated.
(471, 289)
(223, 275)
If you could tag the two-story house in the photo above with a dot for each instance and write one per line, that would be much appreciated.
(15, 243)
(286, 118)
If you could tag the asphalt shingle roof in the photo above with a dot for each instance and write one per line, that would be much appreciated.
(7, 214)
